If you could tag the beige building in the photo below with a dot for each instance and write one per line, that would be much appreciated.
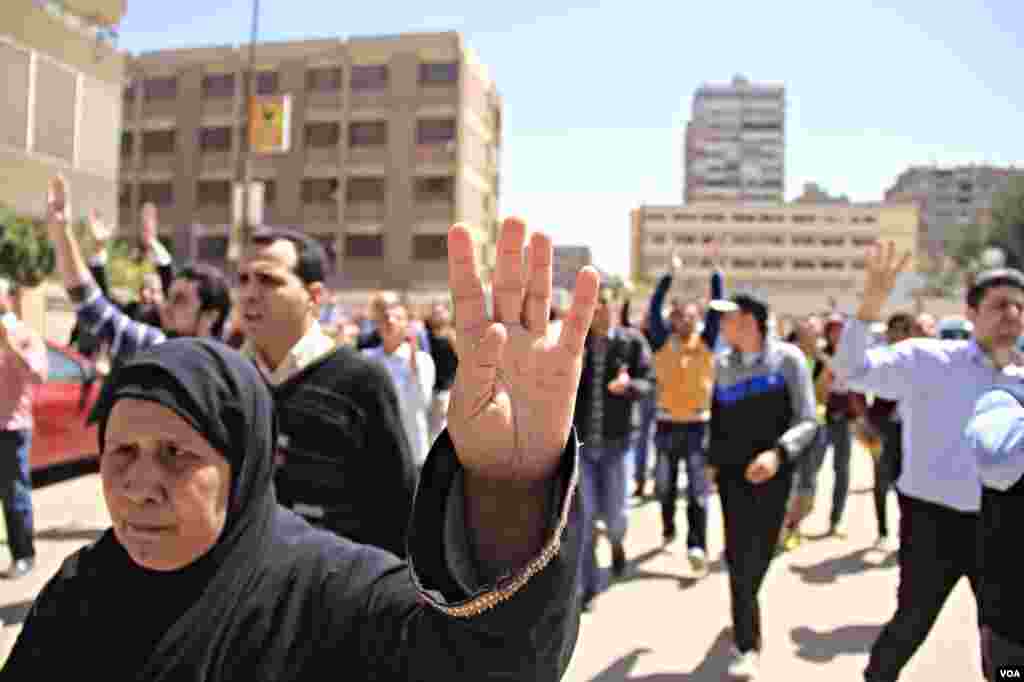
(800, 257)
(392, 140)
(62, 102)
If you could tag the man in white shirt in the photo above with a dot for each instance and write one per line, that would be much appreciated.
(412, 370)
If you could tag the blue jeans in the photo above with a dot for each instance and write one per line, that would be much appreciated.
(839, 436)
(685, 441)
(16, 490)
(604, 478)
(642, 448)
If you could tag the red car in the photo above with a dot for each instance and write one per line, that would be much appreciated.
(60, 408)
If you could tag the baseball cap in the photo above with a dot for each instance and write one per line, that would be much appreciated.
(744, 302)
(993, 278)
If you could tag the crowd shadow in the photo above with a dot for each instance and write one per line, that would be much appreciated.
(712, 668)
(14, 614)
(851, 563)
(635, 571)
(822, 647)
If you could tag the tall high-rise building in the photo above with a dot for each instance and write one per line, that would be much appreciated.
(735, 143)
(951, 199)
(393, 138)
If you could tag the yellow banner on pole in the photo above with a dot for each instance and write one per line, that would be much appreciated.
(270, 124)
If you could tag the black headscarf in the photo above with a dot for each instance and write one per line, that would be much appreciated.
(251, 607)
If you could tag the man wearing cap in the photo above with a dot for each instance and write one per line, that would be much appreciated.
(616, 373)
(762, 421)
(937, 382)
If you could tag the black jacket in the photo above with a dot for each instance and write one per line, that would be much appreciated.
(626, 347)
(346, 453)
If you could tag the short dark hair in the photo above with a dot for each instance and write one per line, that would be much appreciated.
(311, 264)
(756, 308)
(992, 278)
(213, 290)
(900, 320)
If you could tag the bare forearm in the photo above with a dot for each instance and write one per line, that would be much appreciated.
(507, 523)
(72, 265)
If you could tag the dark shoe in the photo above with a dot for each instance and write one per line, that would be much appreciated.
(21, 567)
(618, 559)
(668, 534)
(639, 492)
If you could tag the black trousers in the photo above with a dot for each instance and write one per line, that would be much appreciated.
(887, 470)
(753, 516)
(938, 546)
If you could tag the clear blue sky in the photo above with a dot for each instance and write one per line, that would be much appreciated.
(597, 94)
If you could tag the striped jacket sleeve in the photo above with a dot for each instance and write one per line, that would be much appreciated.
(106, 322)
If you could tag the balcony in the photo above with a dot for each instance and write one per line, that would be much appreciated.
(330, 101)
(371, 98)
(324, 212)
(213, 214)
(218, 106)
(322, 156)
(365, 211)
(159, 108)
(158, 163)
(441, 153)
(212, 162)
(368, 154)
(436, 210)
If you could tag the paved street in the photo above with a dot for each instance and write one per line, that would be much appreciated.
(823, 603)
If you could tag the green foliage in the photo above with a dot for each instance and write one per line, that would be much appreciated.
(1008, 219)
(26, 255)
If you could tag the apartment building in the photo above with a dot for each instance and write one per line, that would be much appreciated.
(801, 257)
(568, 260)
(735, 143)
(951, 199)
(393, 138)
(62, 103)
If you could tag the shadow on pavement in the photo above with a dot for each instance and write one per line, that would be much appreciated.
(822, 647)
(70, 533)
(64, 472)
(635, 572)
(13, 614)
(712, 668)
(829, 570)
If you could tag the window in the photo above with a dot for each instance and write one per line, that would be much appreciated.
(801, 264)
(773, 264)
(684, 239)
(323, 80)
(658, 239)
(215, 139)
(435, 130)
(770, 218)
(430, 247)
(158, 142)
(803, 218)
(319, 190)
(127, 145)
(857, 265)
(685, 217)
(124, 197)
(369, 133)
(803, 240)
(128, 94)
(62, 369)
(160, 88)
(269, 191)
(656, 217)
(743, 218)
(437, 189)
(218, 85)
(863, 241)
(832, 265)
(742, 239)
(713, 217)
(439, 73)
(322, 135)
(266, 83)
(213, 193)
(157, 193)
(365, 189)
(833, 241)
(364, 246)
(368, 78)
(744, 263)
(213, 248)
(770, 239)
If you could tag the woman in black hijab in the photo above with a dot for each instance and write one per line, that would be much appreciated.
(204, 577)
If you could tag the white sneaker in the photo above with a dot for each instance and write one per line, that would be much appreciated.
(698, 560)
(743, 666)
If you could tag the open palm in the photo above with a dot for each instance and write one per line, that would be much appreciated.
(515, 389)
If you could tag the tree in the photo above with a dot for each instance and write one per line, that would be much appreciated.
(1007, 230)
(26, 256)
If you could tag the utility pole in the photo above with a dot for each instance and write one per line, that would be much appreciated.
(244, 169)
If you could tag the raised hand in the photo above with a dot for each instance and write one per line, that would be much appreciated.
(677, 261)
(882, 266)
(100, 231)
(58, 203)
(149, 224)
(515, 389)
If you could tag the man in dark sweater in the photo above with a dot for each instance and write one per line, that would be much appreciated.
(616, 372)
(762, 421)
(344, 462)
